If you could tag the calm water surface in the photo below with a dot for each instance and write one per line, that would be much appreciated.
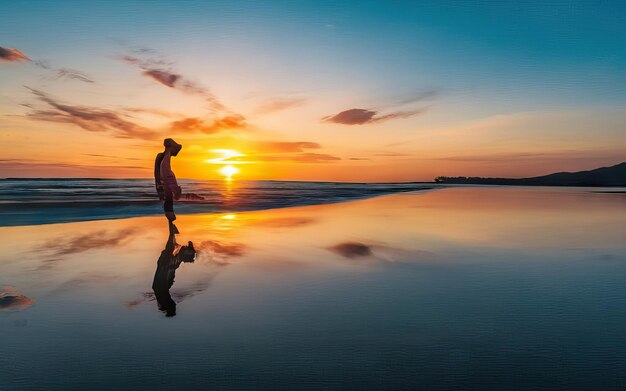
(482, 288)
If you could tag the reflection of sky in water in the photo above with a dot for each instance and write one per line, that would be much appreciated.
(450, 287)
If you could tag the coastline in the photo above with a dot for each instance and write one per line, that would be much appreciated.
(66, 201)
(33, 213)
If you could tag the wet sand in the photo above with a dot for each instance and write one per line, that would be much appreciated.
(465, 287)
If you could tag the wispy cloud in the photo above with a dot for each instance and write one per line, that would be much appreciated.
(160, 70)
(12, 55)
(351, 117)
(188, 125)
(391, 154)
(421, 96)
(304, 157)
(41, 168)
(278, 104)
(310, 157)
(163, 77)
(88, 118)
(284, 146)
(544, 156)
(217, 252)
(63, 246)
(112, 157)
(155, 112)
(64, 73)
(13, 163)
(226, 249)
(365, 116)
(85, 281)
(56, 249)
(398, 110)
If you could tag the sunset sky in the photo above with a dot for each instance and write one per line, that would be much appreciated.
(317, 90)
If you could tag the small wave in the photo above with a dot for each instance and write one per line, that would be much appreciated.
(44, 201)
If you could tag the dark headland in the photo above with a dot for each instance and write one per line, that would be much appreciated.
(604, 176)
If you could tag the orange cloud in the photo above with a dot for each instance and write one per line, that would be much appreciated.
(155, 112)
(310, 157)
(304, 157)
(285, 151)
(284, 146)
(12, 55)
(187, 125)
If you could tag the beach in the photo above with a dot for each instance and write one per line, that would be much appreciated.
(31, 201)
(472, 288)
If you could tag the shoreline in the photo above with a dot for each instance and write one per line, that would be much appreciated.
(35, 213)
(119, 211)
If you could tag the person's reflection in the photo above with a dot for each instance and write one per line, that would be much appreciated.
(170, 259)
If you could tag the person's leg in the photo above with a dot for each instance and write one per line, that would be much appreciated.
(168, 205)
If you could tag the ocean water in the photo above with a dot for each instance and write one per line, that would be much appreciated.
(43, 201)
(451, 289)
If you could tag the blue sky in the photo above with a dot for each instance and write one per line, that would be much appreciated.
(483, 61)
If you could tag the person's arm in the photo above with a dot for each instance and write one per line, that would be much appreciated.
(157, 175)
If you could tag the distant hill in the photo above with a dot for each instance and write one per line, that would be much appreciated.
(604, 176)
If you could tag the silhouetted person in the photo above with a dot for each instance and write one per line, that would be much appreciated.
(169, 260)
(164, 179)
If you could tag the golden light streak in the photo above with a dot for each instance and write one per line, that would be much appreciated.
(227, 154)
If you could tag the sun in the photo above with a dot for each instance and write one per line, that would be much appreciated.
(229, 171)
(229, 158)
